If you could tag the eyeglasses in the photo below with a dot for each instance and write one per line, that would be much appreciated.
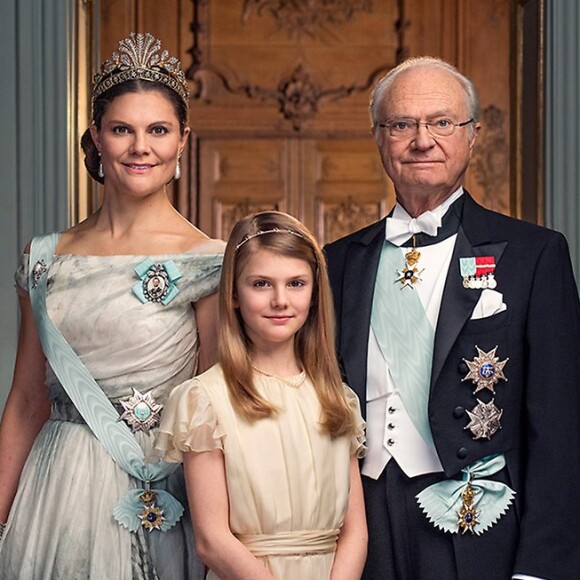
(405, 128)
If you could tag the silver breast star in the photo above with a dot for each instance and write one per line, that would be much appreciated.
(485, 420)
(141, 413)
(485, 370)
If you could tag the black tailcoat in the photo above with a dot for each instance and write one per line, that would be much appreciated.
(539, 332)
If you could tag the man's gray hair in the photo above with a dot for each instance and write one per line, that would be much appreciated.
(428, 62)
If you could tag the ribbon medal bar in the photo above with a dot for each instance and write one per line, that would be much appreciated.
(478, 272)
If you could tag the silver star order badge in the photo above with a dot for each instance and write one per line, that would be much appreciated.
(485, 370)
(485, 420)
(141, 413)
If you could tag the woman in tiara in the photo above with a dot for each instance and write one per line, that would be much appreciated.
(116, 311)
(270, 437)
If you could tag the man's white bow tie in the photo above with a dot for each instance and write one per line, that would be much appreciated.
(401, 229)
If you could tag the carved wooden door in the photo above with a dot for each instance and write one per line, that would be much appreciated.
(280, 89)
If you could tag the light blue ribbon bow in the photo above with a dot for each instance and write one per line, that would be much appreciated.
(127, 510)
(442, 501)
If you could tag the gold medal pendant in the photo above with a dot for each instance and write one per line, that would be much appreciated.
(467, 514)
(152, 516)
(410, 274)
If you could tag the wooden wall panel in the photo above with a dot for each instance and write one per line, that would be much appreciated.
(289, 68)
(241, 176)
(486, 59)
(348, 186)
(474, 36)
(117, 19)
(168, 20)
(280, 90)
(425, 29)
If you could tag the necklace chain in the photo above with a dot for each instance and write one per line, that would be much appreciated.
(295, 381)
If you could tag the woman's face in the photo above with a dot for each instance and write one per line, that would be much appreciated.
(140, 142)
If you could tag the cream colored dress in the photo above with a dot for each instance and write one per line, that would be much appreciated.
(288, 481)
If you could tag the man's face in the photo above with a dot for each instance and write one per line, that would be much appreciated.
(422, 166)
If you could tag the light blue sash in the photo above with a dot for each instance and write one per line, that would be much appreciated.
(91, 402)
(405, 337)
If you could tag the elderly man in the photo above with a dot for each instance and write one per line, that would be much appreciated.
(459, 328)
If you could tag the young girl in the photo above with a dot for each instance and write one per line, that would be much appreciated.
(270, 437)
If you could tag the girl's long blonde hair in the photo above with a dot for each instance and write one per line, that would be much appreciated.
(314, 343)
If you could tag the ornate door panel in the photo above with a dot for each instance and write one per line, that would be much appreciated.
(280, 90)
(346, 187)
(283, 87)
(239, 176)
(335, 185)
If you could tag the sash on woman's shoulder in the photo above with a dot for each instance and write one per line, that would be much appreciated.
(151, 508)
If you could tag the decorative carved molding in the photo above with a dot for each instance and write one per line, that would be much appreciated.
(311, 18)
(346, 217)
(297, 95)
(231, 214)
(401, 25)
(490, 164)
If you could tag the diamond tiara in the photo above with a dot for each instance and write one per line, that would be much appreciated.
(138, 58)
(248, 237)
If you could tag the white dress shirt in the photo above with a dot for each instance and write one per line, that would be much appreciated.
(390, 431)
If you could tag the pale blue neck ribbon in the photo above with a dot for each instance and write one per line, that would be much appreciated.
(405, 338)
(95, 408)
(442, 501)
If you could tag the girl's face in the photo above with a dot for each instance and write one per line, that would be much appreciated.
(273, 293)
(139, 141)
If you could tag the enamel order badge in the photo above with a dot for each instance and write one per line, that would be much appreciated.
(485, 370)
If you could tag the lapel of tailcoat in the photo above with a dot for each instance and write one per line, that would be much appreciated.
(473, 239)
(360, 272)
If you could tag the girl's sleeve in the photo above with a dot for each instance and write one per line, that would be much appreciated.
(357, 442)
(188, 423)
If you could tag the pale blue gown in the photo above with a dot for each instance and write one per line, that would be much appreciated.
(61, 524)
